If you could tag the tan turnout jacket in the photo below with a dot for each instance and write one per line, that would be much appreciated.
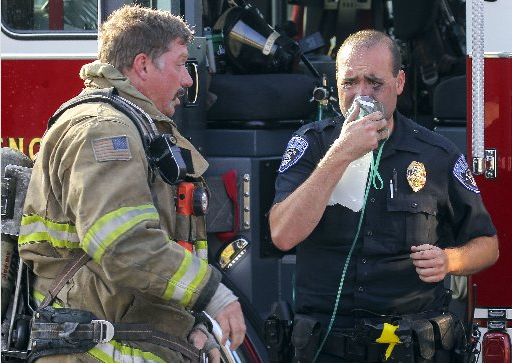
(89, 190)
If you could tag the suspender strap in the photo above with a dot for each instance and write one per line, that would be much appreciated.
(63, 277)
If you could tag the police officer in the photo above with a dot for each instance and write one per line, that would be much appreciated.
(422, 219)
(93, 190)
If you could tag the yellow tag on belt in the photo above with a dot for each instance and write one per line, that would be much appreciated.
(388, 336)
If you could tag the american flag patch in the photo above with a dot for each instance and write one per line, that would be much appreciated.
(111, 148)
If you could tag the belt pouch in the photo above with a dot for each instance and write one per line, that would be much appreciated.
(42, 337)
(305, 337)
(424, 334)
(444, 331)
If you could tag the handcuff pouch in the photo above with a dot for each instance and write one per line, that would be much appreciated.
(306, 337)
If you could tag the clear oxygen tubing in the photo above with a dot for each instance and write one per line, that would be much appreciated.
(374, 174)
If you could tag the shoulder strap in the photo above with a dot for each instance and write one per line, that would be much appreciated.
(139, 117)
(97, 95)
(80, 259)
(161, 150)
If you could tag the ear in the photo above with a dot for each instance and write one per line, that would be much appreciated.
(400, 82)
(140, 64)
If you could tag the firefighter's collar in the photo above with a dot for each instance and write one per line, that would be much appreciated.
(102, 75)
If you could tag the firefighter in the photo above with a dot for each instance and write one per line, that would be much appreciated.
(369, 279)
(93, 189)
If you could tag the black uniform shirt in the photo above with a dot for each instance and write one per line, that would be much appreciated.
(446, 211)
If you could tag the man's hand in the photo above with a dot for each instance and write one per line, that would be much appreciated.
(202, 340)
(360, 136)
(231, 321)
(431, 262)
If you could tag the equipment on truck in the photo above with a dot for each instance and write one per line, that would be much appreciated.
(16, 172)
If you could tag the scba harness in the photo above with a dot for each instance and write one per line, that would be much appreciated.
(31, 332)
(65, 331)
(161, 150)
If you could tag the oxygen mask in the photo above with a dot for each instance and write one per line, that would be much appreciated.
(367, 105)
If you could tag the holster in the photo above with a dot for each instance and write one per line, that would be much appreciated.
(466, 346)
(278, 330)
(306, 337)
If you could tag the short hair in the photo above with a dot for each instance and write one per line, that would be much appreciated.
(133, 29)
(369, 38)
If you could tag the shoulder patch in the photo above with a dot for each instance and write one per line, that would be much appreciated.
(294, 151)
(111, 148)
(463, 174)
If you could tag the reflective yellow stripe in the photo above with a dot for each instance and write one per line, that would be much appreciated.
(187, 297)
(40, 297)
(114, 351)
(113, 225)
(186, 280)
(201, 249)
(171, 285)
(35, 228)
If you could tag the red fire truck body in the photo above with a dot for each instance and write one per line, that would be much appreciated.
(32, 70)
(492, 287)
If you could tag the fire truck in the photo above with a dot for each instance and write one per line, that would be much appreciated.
(243, 108)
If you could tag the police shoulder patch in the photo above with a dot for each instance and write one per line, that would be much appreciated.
(294, 151)
(463, 174)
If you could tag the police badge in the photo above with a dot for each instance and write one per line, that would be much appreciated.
(416, 175)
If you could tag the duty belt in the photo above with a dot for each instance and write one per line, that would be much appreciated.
(345, 347)
(370, 340)
(67, 331)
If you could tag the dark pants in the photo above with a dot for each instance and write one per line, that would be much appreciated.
(440, 357)
(327, 358)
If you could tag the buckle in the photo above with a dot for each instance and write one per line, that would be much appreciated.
(203, 357)
(106, 331)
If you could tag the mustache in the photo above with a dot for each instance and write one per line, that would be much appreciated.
(181, 92)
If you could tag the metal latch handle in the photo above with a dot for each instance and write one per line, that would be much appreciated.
(106, 330)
